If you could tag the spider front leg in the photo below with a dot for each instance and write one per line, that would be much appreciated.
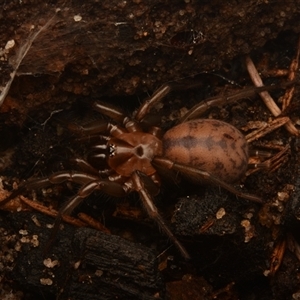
(108, 187)
(60, 177)
(95, 128)
(199, 109)
(198, 175)
(153, 212)
(118, 116)
(157, 96)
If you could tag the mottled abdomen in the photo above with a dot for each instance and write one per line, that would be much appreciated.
(211, 145)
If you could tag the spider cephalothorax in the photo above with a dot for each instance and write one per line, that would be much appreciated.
(200, 149)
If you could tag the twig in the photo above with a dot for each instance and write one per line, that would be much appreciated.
(254, 135)
(22, 52)
(286, 99)
(266, 97)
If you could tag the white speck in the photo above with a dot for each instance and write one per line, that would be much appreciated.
(35, 240)
(220, 213)
(23, 232)
(77, 264)
(46, 281)
(77, 18)
(120, 23)
(99, 273)
(10, 44)
(282, 196)
(49, 263)
(36, 221)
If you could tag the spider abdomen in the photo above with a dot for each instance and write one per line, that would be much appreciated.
(210, 145)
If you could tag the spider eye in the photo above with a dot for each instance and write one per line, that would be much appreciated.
(112, 149)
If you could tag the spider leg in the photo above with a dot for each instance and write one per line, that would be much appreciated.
(97, 127)
(159, 94)
(88, 168)
(91, 128)
(108, 187)
(109, 110)
(44, 182)
(120, 117)
(57, 178)
(117, 115)
(199, 109)
(200, 176)
(153, 212)
(151, 101)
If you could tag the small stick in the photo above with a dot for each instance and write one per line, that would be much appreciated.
(51, 212)
(93, 223)
(254, 135)
(266, 97)
(286, 99)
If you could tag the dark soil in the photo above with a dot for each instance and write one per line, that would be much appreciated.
(119, 53)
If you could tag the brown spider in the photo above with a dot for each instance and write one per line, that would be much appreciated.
(200, 149)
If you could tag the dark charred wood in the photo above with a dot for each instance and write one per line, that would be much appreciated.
(90, 264)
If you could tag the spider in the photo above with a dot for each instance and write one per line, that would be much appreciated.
(203, 150)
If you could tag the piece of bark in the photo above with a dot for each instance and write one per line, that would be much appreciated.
(83, 263)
